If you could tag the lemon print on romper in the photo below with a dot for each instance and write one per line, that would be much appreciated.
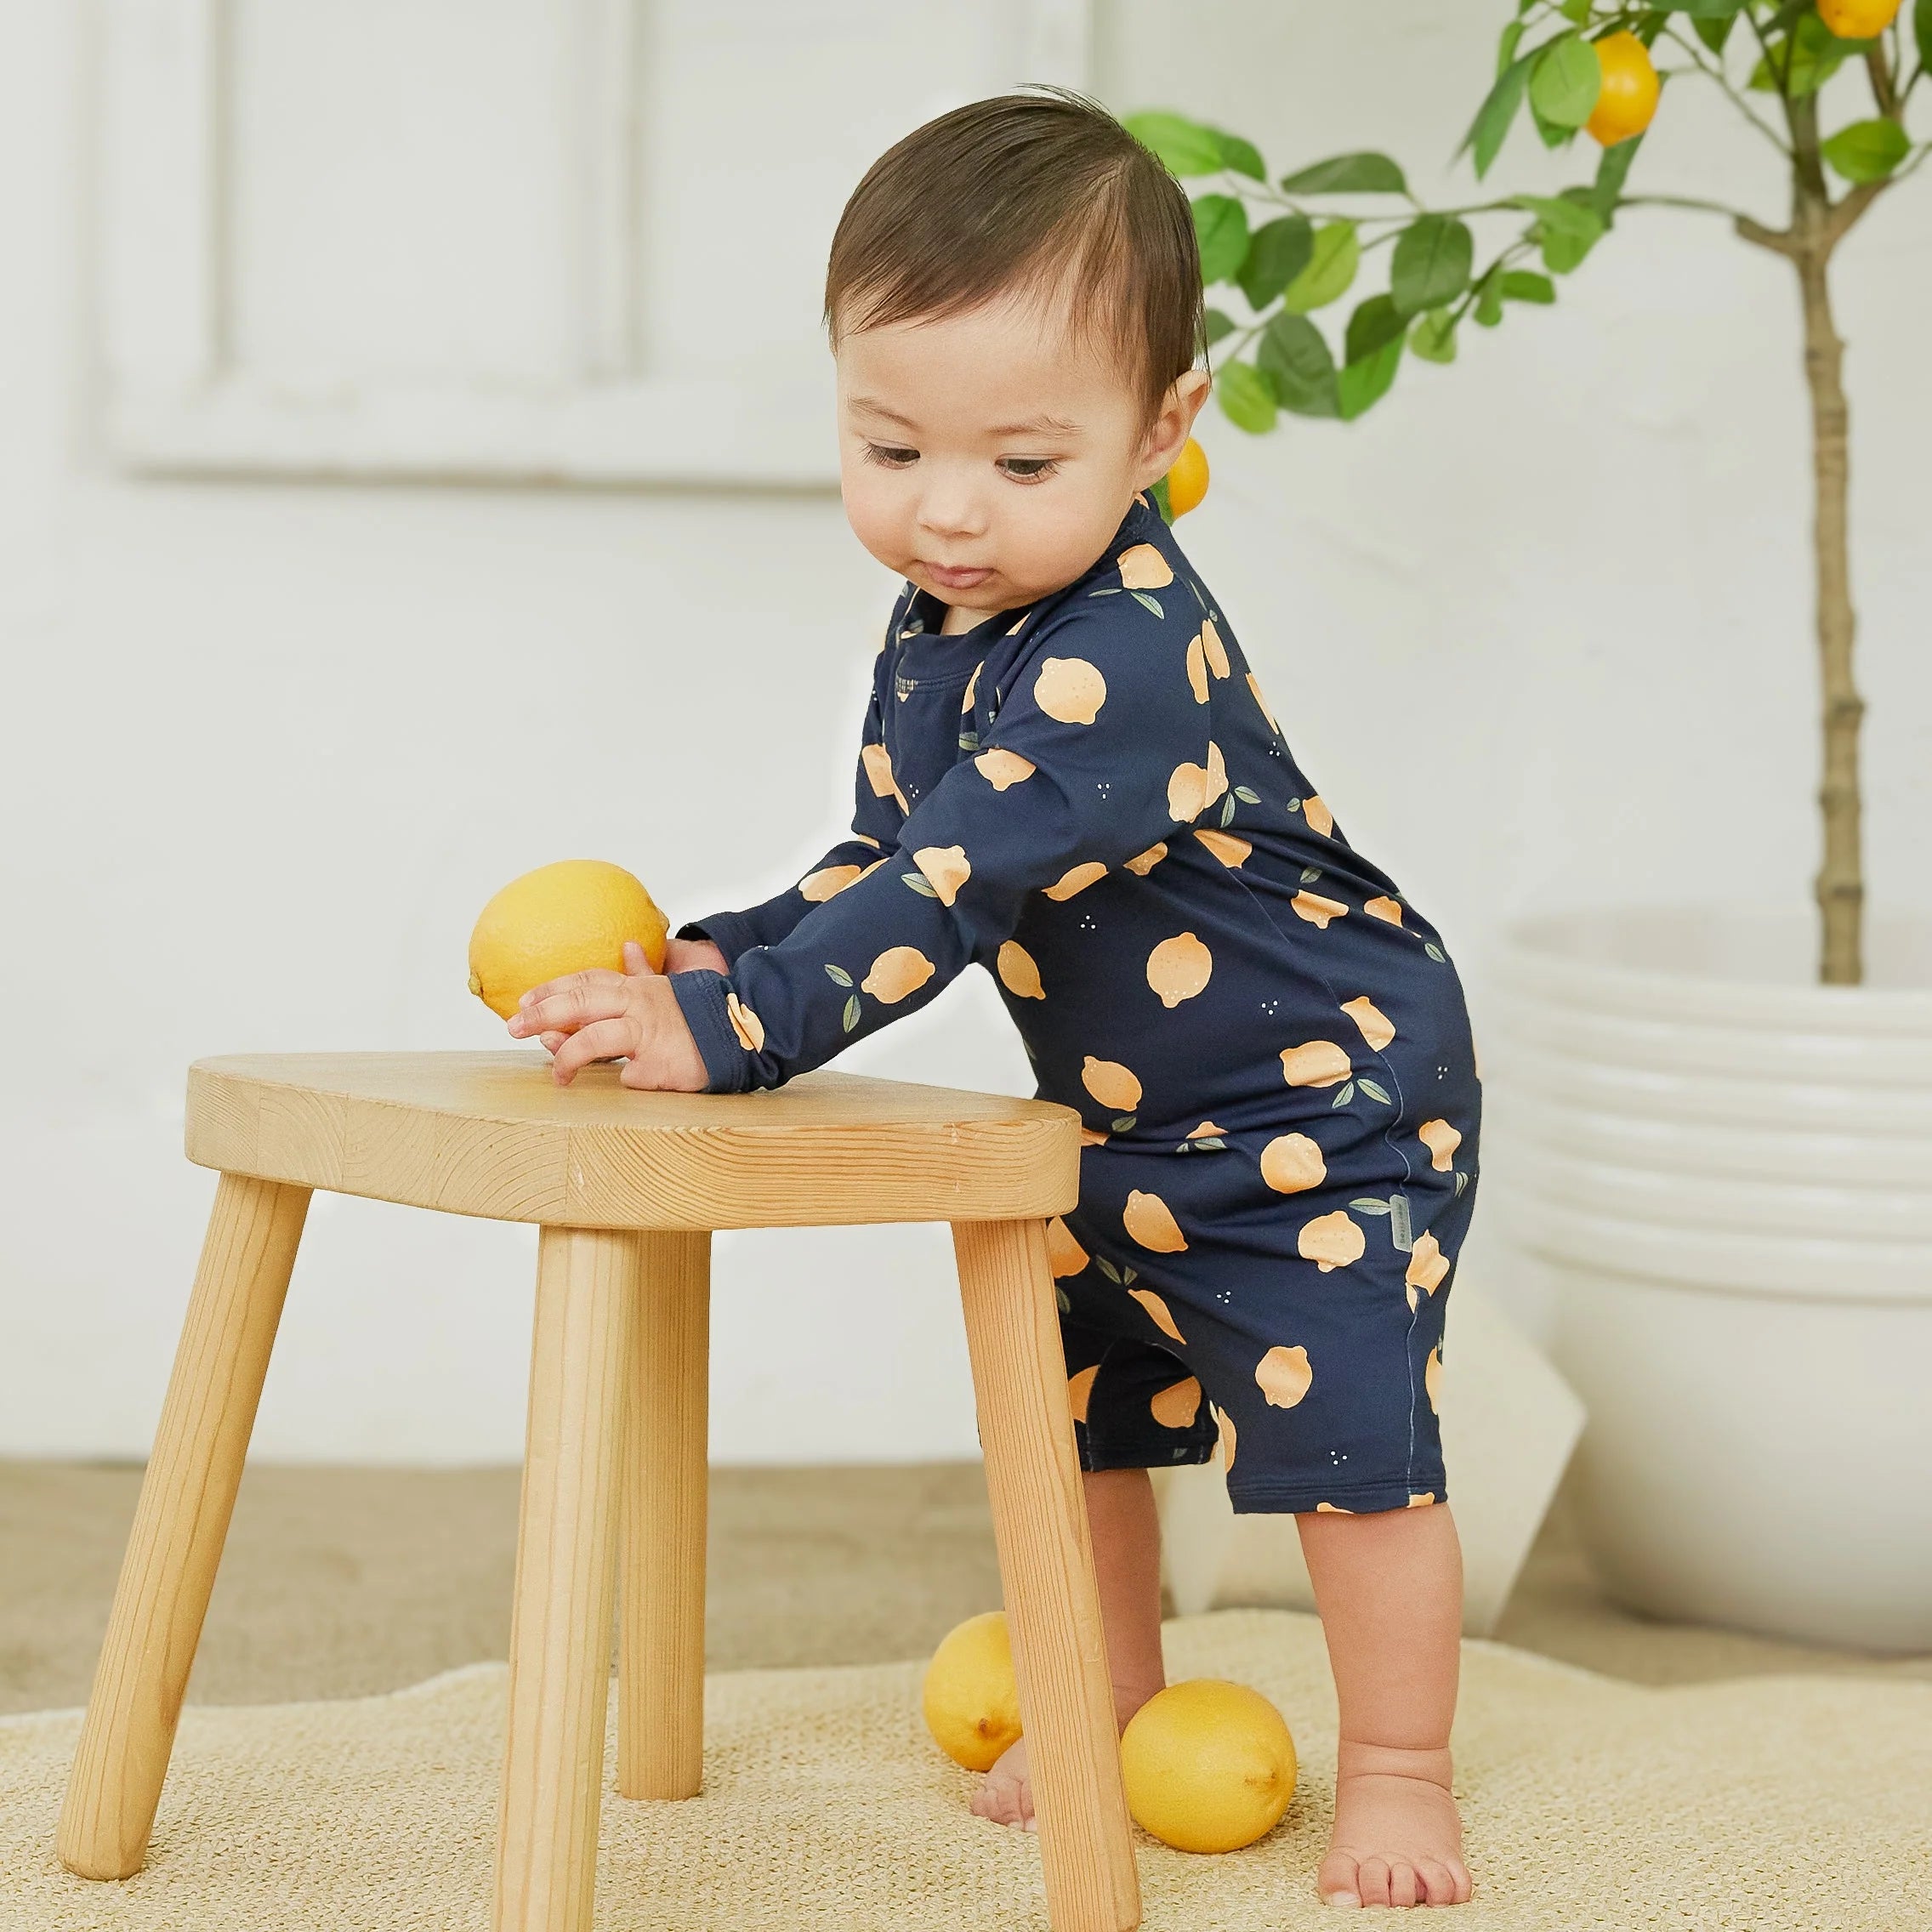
(828, 882)
(1314, 1063)
(1064, 1255)
(973, 685)
(1143, 568)
(1076, 879)
(898, 971)
(1142, 863)
(1225, 1424)
(1432, 1380)
(1157, 1313)
(1317, 910)
(746, 1024)
(946, 868)
(1225, 847)
(1111, 1084)
(1017, 971)
(1179, 968)
(1214, 650)
(1001, 768)
(1192, 788)
(1177, 1406)
(1080, 1391)
(1149, 1220)
(878, 762)
(1319, 818)
(1254, 686)
(1377, 1028)
(1284, 1376)
(1292, 1163)
(1069, 689)
(1428, 1267)
(1385, 908)
(1331, 1240)
(1197, 669)
(1441, 1140)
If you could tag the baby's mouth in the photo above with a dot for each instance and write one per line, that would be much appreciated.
(957, 577)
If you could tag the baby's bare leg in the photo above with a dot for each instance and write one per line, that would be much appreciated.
(1127, 1564)
(1390, 1588)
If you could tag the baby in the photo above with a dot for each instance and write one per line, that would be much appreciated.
(1068, 776)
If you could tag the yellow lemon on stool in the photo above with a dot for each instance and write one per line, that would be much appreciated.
(562, 918)
(1187, 481)
(1209, 1766)
(972, 1702)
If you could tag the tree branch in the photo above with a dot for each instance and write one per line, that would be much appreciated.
(1716, 74)
(1849, 212)
(1884, 91)
(1779, 240)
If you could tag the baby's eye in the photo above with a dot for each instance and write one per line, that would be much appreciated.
(889, 456)
(1028, 468)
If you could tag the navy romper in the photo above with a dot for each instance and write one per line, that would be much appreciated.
(1266, 1042)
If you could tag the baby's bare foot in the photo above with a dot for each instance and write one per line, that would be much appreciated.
(1397, 1839)
(1006, 1793)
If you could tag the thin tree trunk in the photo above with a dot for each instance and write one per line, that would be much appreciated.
(1840, 885)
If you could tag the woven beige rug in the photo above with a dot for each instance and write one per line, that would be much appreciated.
(1764, 1804)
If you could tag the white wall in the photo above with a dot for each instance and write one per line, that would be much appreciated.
(1539, 629)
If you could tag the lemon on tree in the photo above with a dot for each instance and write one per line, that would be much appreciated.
(1187, 481)
(1208, 1765)
(566, 917)
(1626, 101)
(1857, 19)
(971, 1698)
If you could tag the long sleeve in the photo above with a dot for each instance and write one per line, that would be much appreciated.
(1094, 748)
(875, 818)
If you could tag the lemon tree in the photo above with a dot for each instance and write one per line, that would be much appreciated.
(1339, 273)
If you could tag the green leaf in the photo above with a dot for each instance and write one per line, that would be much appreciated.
(1218, 325)
(1435, 952)
(1434, 336)
(838, 975)
(1220, 225)
(1107, 1268)
(1702, 9)
(1248, 397)
(1062, 1299)
(1489, 299)
(920, 883)
(1370, 1204)
(1247, 795)
(1184, 147)
(1343, 1094)
(1294, 356)
(968, 741)
(1158, 491)
(1375, 323)
(1242, 156)
(1141, 598)
(1361, 385)
(1128, 1276)
(1308, 873)
(1348, 174)
(1868, 151)
(1804, 58)
(1576, 10)
(1512, 38)
(1565, 80)
(1277, 252)
(1922, 31)
(1125, 1123)
(1331, 270)
(1551, 133)
(852, 1011)
(1524, 285)
(1432, 255)
(1567, 230)
(1612, 171)
(1376, 1091)
(1228, 810)
(1714, 33)
(1498, 111)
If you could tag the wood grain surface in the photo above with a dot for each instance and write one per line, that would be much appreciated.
(180, 1524)
(492, 1135)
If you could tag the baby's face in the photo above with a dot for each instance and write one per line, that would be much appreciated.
(987, 458)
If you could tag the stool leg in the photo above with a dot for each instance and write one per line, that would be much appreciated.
(661, 1622)
(566, 1566)
(180, 1524)
(1046, 1564)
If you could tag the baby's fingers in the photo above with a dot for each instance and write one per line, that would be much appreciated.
(604, 1039)
(568, 1004)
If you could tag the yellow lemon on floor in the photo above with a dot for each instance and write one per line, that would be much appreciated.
(1187, 481)
(563, 918)
(1209, 1766)
(972, 1702)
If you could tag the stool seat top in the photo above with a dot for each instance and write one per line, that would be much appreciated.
(492, 1135)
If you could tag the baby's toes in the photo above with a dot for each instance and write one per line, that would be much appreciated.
(1404, 1888)
(1371, 1881)
(1338, 1881)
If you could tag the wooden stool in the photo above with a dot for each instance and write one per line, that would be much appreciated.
(626, 1188)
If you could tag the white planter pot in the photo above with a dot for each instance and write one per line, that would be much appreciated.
(1727, 1168)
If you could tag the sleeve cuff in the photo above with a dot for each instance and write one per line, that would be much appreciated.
(701, 997)
(731, 932)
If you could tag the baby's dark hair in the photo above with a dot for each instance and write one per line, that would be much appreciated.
(1042, 189)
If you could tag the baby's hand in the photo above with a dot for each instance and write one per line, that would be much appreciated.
(632, 1016)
